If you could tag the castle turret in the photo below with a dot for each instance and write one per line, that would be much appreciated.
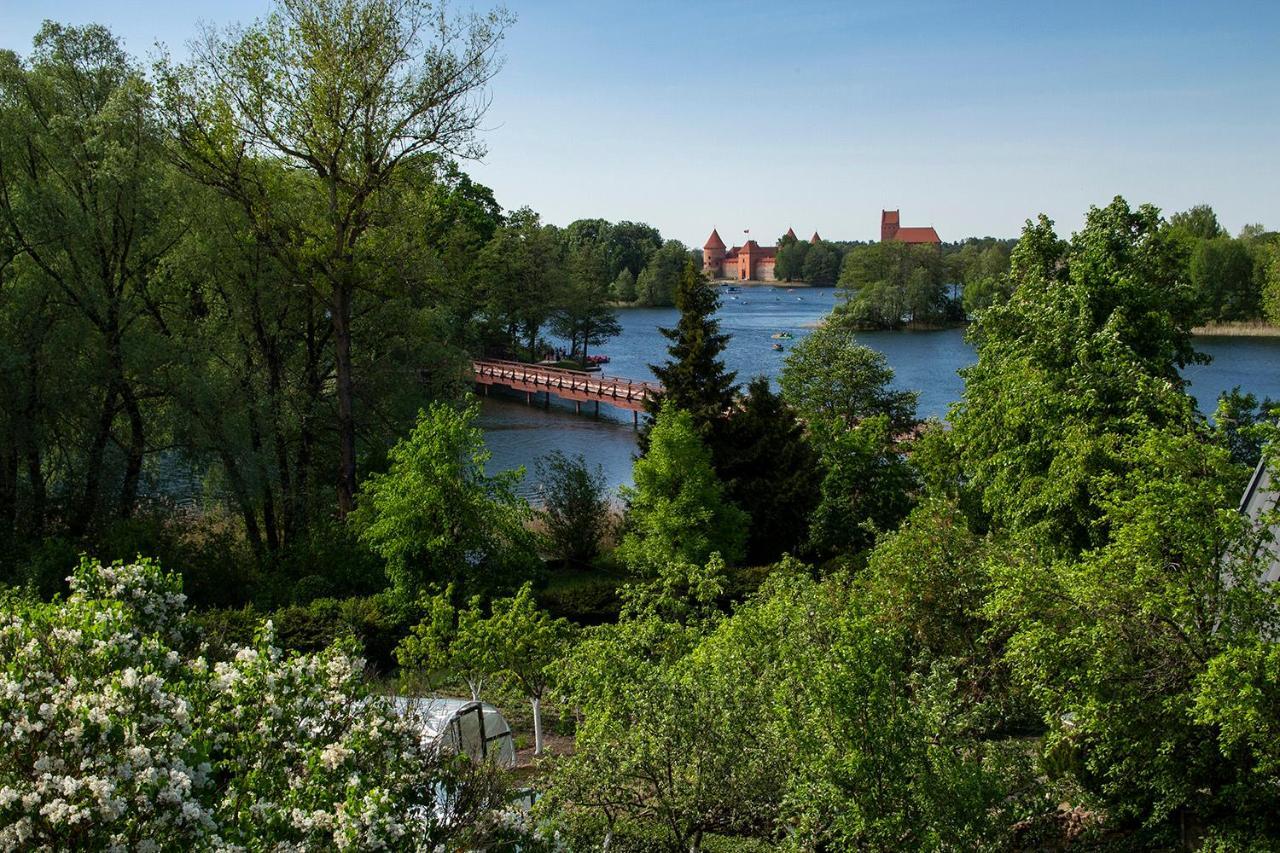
(713, 254)
(815, 239)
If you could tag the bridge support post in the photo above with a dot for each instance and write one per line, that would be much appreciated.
(528, 398)
(635, 418)
(577, 406)
(597, 409)
(546, 400)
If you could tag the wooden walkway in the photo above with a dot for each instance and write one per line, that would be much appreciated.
(577, 385)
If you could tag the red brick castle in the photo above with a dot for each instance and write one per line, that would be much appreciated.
(748, 262)
(753, 262)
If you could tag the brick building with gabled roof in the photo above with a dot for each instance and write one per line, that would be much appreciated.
(891, 229)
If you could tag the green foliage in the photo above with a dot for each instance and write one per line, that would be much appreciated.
(583, 314)
(576, 509)
(1199, 222)
(436, 516)
(866, 486)
(449, 642)
(821, 263)
(892, 284)
(523, 277)
(794, 719)
(283, 88)
(526, 641)
(623, 288)
(789, 262)
(769, 467)
(1271, 289)
(677, 510)
(1222, 274)
(1084, 354)
(829, 375)
(1241, 425)
(659, 281)
(1115, 645)
(693, 377)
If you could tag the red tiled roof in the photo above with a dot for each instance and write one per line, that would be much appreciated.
(917, 235)
(815, 239)
(791, 232)
(714, 241)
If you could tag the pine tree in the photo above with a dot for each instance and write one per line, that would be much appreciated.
(769, 468)
(694, 378)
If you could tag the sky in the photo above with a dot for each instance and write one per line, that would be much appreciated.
(968, 116)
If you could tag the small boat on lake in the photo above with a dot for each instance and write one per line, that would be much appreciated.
(777, 347)
(782, 336)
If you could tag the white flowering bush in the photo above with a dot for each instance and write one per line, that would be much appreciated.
(116, 733)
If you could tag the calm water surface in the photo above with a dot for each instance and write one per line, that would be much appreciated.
(926, 362)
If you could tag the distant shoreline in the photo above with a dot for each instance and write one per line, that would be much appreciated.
(736, 283)
(1248, 329)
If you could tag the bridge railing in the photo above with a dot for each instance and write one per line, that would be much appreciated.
(559, 378)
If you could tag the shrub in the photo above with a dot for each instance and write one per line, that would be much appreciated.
(115, 736)
(575, 507)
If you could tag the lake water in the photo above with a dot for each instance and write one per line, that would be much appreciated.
(517, 434)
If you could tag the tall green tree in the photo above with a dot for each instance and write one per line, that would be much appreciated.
(677, 510)
(789, 262)
(436, 516)
(769, 467)
(821, 263)
(1199, 222)
(659, 281)
(449, 642)
(1222, 274)
(829, 375)
(1125, 648)
(584, 315)
(353, 94)
(890, 284)
(693, 378)
(1085, 353)
(88, 215)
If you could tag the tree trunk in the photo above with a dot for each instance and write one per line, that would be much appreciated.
(93, 465)
(35, 474)
(537, 724)
(9, 492)
(134, 456)
(346, 420)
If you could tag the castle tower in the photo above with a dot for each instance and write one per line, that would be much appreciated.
(815, 239)
(888, 225)
(713, 254)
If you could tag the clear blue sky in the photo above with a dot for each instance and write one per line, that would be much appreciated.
(969, 116)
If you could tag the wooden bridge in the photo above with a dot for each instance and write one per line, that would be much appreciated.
(578, 385)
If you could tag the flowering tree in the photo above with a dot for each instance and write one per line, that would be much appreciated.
(115, 732)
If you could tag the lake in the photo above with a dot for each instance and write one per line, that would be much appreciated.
(926, 362)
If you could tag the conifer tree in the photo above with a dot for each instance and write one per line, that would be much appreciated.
(769, 469)
(694, 378)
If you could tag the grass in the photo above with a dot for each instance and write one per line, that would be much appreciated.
(1239, 329)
